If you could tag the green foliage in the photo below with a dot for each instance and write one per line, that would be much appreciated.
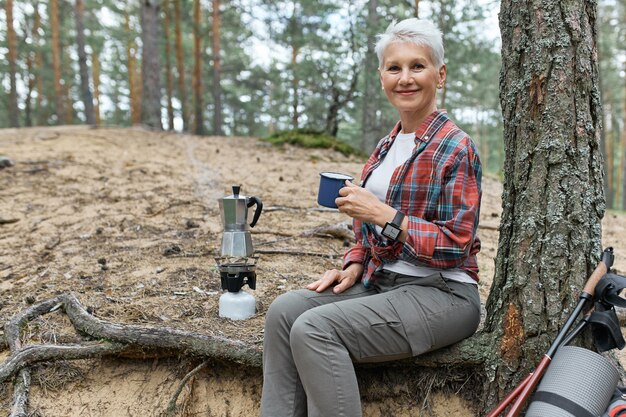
(308, 138)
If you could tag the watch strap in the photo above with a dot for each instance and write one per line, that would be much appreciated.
(397, 219)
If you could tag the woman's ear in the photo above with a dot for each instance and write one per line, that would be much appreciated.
(442, 75)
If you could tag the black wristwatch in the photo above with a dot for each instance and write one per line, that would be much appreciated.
(393, 228)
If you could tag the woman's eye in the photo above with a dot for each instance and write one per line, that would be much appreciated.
(418, 66)
(393, 68)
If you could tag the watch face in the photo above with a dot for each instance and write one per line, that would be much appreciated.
(391, 232)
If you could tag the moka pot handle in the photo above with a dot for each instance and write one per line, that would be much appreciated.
(257, 212)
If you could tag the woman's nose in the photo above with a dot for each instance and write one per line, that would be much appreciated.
(405, 76)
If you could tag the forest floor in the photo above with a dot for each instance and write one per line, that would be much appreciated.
(128, 220)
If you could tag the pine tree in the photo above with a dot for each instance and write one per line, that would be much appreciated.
(82, 62)
(12, 43)
(217, 69)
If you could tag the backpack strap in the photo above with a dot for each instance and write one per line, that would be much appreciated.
(562, 403)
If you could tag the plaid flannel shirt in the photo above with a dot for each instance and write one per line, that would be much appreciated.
(438, 189)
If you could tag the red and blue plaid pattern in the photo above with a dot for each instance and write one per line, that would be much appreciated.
(438, 188)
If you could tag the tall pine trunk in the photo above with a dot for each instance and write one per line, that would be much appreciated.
(95, 59)
(150, 66)
(41, 118)
(607, 147)
(66, 68)
(371, 95)
(14, 120)
(294, 85)
(180, 66)
(169, 81)
(56, 60)
(217, 70)
(550, 232)
(623, 146)
(417, 8)
(82, 63)
(197, 69)
(135, 97)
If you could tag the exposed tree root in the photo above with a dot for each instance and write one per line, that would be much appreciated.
(171, 408)
(112, 339)
(102, 338)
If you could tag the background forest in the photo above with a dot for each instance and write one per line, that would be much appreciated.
(255, 67)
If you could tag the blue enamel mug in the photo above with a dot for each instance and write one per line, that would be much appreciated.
(330, 184)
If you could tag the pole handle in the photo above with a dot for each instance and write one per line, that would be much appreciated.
(599, 272)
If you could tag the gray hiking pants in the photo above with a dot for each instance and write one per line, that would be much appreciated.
(311, 339)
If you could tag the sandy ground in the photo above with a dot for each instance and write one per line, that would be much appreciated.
(128, 220)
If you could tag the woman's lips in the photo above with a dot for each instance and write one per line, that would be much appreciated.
(406, 92)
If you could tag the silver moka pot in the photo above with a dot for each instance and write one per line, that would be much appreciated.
(236, 240)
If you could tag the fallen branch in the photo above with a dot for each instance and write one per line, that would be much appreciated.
(296, 253)
(287, 208)
(340, 230)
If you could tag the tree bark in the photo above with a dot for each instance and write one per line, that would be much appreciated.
(95, 59)
(197, 69)
(56, 60)
(82, 63)
(371, 94)
(180, 66)
(150, 66)
(606, 139)
(14, 120)
(294, 84)
(135, 99)
(623, 149)
(169, 81)
(417, 8)
(40, 116)
(217, 70)
(66, 68)
(550, 233)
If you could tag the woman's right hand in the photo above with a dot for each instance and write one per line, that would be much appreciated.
(344, 279)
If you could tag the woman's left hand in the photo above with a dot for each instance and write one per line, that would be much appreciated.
(361, 204)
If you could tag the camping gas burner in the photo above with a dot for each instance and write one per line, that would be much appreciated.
(237, 272)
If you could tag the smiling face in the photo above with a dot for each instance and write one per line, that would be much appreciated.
(410, 79)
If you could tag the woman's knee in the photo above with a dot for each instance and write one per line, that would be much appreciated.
(285, 309)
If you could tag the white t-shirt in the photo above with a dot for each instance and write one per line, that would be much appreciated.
(378, 184)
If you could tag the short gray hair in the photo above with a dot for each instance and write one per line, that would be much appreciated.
(418, 31)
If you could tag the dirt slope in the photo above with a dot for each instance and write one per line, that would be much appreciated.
(128, 220)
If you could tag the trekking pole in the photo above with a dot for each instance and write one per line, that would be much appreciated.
(521, 393)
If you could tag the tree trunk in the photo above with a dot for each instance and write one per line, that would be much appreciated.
(82, 62)
(56, 60)
(371, 94)
(40, 116)
(95, 59)
(169, 81)
(294, 83)
(180, 66)
(14, 120)
(607, 148)
(28, 105)
(135, 101)
(217, 70)
(417, 8)
(623, 146)
(67, 86)
(150, 67)
(197, 69)
(550, 233)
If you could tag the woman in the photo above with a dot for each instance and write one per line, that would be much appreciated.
(409, 285)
